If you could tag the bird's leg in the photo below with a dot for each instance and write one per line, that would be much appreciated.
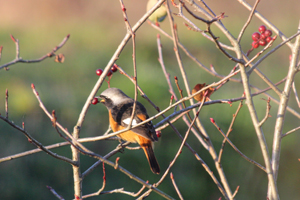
(121, 146)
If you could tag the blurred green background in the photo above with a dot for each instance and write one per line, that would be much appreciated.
(96, 29)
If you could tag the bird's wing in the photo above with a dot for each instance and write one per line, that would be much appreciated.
(124, 115)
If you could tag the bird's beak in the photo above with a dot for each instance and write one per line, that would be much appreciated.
(100, 99)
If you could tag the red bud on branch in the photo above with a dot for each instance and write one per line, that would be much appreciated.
(12, 38)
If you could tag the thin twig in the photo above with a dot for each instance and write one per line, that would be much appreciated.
(55, 193)
(175, 186)
(96, 164)
(161, 62)
(38, 144)
(119, 190)
(101, 189)
(176, 50)
(181, 146)
(208, 30)
(193, 57)
(19, 59)
(235, 148)
(229, 131)
(248, 21)
(171, 90)
(129, 29)
(296, 94)
(188, 114)
(6, 104)
(291, 131)
(33, 151)
(1, 48)
(267, 113)
(236, 191)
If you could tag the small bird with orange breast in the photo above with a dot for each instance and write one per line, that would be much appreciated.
(120, 108)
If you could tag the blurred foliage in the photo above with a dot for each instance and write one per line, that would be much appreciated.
(96, 28)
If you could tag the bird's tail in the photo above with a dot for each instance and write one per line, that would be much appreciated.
(151, 158)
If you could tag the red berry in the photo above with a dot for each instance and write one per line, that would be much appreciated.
(268, 33)
(255, 36)
(99, 72)
(255, 44)
(262, 29)
(109, 73)
(95, 101)
(114, 68)
(263, 36)
(158, 134)
(269, 39)
(262, 42)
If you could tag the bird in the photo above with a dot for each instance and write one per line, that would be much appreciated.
(159, 14)
(120, 108)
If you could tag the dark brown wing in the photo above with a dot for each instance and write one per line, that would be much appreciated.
(123, 113)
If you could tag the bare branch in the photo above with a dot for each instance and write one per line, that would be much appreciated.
(175, 186)
(296, 94)
(291, 131)
(6, 104)
(235, 148)
(282, 107)
(101, 189)
(19, 59)
(96, 164)
(36, 143)
(267, 113)
(55, 193)
(236, 191)
(229, 131)
(248, 21)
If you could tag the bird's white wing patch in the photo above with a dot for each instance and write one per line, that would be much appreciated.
(127, 121)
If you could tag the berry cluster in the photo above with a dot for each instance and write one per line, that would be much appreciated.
(262, 38)
(113, 69)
